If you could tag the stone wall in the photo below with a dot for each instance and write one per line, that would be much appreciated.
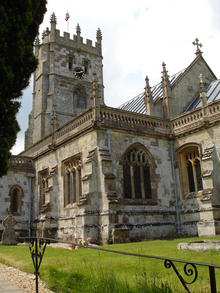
(102, 207)
(200, 211)
(70, 221)
(23, 180)
(143, 219)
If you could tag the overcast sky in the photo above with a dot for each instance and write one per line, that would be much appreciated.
(138, 35)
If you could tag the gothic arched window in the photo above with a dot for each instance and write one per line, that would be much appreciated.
(15, 193)
(72, 180)
(137, 174)
(79, 99)
(191, 175)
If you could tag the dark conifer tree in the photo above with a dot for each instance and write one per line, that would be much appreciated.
(19, 23)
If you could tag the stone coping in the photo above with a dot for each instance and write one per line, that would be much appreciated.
(201, 245)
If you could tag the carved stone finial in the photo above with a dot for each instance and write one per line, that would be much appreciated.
(147, 87)
(98, 35)
(53, 18)
(95, 99)
(165, 76)
(78, 30)
(202, 87)
(203, 94)
(166, 91)
(148, 98)
(197, 44)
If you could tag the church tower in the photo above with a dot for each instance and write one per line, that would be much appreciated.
(63, 79)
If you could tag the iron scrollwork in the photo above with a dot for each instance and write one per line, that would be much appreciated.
(37, 248)
(190, 270)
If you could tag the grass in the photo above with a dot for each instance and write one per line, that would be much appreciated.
(86, 270)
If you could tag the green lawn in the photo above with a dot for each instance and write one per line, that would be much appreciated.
(86, 270)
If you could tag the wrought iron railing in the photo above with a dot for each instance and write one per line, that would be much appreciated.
(37, 247)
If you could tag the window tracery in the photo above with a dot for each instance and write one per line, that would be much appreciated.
(72, 180)
(137, 174)
(191, 174)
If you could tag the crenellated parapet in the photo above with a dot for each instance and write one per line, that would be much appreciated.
(21, 163)
(75, 41)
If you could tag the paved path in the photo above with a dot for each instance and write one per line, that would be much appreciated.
(8, 287)
(14, 281)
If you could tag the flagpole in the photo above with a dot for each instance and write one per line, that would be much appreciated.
(67, 20)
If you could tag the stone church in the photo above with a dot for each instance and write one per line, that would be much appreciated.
(148, 169)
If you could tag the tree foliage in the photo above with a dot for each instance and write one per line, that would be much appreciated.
(19, 23)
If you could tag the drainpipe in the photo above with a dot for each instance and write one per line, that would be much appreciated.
(30, 176)
(175, 188)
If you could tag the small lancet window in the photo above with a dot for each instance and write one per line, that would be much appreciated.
(86, 64)
(15, 199)
(70, 63)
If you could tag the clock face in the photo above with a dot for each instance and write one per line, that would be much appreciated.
(79, 72)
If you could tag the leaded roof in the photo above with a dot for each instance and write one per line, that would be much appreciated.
(213, 94)
(137, 103)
